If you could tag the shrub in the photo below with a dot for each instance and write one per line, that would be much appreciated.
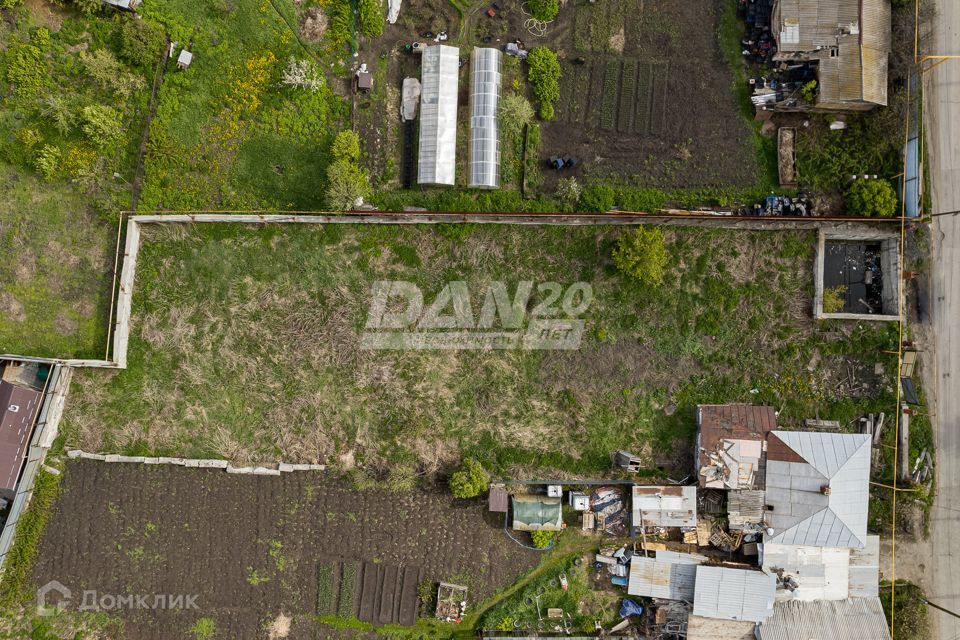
(47, 161)
(871, 197)
(598, 197)
(346, 146)
(109, 73)
(10, 4)
(568, 192)
(28, 67)
(371, 18)
(515, 113)
(101, 124)
(469, 480)
(642, 255)
(545, 10)
(301, 74)
(60, 111)
(141, 42)
(204, 629)
(833, 299)
(88, 7)
(28, 138)
(346, 183)
(544, 76)
(542, 539)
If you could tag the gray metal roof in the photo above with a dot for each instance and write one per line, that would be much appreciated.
(852, 619)
(865, 570)
(669, 575)
(18, 409)
(438, 115)
(817, 486)
(484, 129)
(733, 594)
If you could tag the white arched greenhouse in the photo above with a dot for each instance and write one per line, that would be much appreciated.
(484, 128)
(438, 115)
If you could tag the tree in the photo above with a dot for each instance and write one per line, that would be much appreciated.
(109, 73)
(544, 10)
(61, 112)
(101, 124)
(469, 480)
(141, 42)
(871, 197)
(346, 146)
(544, 76)
(88, 7)
(642, 255)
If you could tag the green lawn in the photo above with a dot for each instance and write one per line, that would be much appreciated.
(245, 344)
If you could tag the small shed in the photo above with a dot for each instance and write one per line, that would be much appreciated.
(535, 512)
(18, 408)
(363, 79)
(498, 499)
(184, 59)
(669, 575)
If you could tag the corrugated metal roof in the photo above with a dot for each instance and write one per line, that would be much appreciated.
(852, 619)
(18, 408)
(733, 594)
(700, 628)
(670, 506)
(438, 115)
(745, 508)
(484, 129)
(860, 34)
(820, 573)
(865, 570)
(669, 575)
(821, 501)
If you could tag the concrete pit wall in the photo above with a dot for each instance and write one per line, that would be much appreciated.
(889, 263)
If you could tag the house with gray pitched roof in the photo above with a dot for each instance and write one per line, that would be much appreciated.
(817, 489)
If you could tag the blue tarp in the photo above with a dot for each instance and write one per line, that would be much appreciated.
(630, 608)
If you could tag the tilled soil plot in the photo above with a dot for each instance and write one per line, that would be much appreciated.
(647, 91)
(251, 548)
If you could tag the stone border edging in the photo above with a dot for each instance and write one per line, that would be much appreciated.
(282, 467)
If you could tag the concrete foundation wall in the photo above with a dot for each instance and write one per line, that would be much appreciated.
(889, 264)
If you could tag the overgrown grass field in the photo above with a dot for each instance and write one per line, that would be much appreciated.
(246, 344)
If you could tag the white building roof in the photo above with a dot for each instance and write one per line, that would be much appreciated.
(438, 115)
(671, 506)
(817, 488)
(819, 573)
(733, 594)
(865, 570)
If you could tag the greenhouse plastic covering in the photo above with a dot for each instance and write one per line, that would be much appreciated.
(484, 129)
(438, 115)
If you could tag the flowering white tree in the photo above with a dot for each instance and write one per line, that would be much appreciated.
(302, 74)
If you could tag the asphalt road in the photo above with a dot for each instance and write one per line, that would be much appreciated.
(942, 96)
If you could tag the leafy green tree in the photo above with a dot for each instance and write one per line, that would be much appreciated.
(346, 146)
(642, 255)
(598, 197)
(28, 68)
(61, 112)
(141, 42)
(108, 72)
(544, 75)
(545, 10)
(469, 480)
(371, 18)
(101, 124)
(10, 4)
(871, 197)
